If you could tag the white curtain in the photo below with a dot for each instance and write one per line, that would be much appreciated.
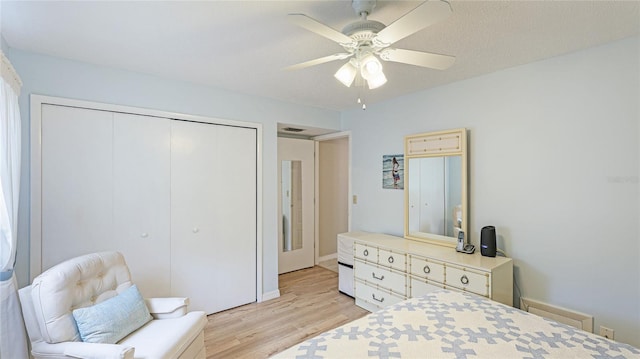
(13, 341)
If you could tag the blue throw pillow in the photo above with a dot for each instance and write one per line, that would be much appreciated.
(113, 319)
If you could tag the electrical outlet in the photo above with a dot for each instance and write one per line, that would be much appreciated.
(607, 332)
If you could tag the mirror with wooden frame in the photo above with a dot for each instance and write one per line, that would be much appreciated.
(435, 188)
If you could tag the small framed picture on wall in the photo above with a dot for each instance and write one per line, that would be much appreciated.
(393, 171)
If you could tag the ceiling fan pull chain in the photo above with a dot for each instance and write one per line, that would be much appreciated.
(360, 101)
(364, 105)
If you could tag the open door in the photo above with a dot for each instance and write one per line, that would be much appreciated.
(296, 204)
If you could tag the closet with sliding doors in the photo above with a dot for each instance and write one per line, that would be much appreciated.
(177, 195)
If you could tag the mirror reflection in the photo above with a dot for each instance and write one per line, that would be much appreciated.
(291, 205)
(435, 196)
(436, 208)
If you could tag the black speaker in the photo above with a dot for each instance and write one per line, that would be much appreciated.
(488, 241)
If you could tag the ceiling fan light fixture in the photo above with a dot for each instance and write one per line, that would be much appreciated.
(376, 80)
(346, 74)
(370, 66)
(371, 70)
(367, 42)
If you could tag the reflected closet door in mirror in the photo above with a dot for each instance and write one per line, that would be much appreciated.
(436, 186)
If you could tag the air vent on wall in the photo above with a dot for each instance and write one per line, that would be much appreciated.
(559, 314)
(292, 129)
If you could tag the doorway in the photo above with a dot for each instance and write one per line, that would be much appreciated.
(296, 227)
(333, 211)
(332, 194)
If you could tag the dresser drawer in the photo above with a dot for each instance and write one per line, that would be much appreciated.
(380, 276)
(394, 260)
(419, 287)
(376, 296)
(365, 252)
(427, 269)
(462, 278)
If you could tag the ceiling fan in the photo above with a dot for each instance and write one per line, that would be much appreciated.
(365, 40)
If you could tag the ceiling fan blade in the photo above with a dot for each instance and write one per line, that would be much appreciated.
(321, 29)
(428, 13)
(319, 61)
(418, 58)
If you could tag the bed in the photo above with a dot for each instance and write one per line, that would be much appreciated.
(448, 324)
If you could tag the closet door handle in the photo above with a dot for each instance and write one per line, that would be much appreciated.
(376, 299)
(378, 278)
(144, 235)
(390, 259)
(426, 269)
(464, 279)
(366, 252)
(195, 230)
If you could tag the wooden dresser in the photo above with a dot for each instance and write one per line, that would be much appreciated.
(389, 269)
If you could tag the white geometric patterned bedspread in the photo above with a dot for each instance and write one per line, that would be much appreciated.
(447, 324)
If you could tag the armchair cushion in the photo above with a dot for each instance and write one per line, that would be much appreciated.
(113, 319)
(75, 283)
(167, 338)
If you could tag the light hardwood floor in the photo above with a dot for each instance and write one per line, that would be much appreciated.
(309, 304)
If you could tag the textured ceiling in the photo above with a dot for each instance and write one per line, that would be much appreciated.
(242, 46)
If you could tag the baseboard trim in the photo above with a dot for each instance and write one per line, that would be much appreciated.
(326, 258)
(270, 295)
(348, 295)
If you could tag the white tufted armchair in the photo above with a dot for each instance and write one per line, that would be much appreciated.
(48, 304)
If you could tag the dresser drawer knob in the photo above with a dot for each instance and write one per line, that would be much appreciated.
(376, 299)
(366, 252)
(378, 278)
(426, 269)
(464, 279)
(390, 259)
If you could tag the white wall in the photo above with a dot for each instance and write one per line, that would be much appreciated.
(51, 76)
(554, 165)
(3, 44)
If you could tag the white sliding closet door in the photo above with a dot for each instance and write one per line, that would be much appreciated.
(431, 199)
(105, 186)
(77, 182)
(141, 199)
(236, 217)
(213, 214)
(178, 198)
